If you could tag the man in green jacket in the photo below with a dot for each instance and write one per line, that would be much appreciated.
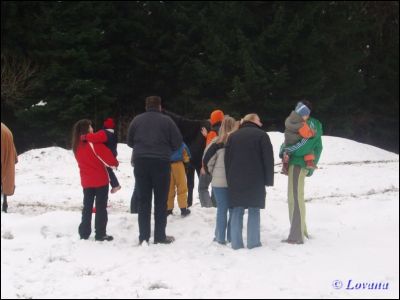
(297, 174)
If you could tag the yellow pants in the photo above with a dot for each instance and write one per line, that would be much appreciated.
(178, 180)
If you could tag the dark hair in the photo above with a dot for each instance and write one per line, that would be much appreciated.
(80, 127)
(307, 103)
(153, 102)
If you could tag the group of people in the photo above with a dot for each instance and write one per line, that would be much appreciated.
(236, 157)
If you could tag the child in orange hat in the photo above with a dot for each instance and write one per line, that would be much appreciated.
(216, 119)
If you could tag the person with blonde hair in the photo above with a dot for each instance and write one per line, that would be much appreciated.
(214, 164)
(249, 165)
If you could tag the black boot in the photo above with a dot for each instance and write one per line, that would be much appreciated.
(167, 240)
(185, 212)
(104, 238)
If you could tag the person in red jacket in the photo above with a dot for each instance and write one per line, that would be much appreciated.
(107, 136)
(92, 162)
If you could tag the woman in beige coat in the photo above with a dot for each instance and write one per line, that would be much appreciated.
(8, 161)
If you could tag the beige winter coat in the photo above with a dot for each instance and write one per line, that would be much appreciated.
(214, 157)
(8, 161)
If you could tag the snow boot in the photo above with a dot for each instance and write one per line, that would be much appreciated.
(115, 189)
(104, 238)
(185, 212)
(167, 240)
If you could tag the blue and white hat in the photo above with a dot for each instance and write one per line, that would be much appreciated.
(302, 109)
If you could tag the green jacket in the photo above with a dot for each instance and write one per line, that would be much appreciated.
(307, 146)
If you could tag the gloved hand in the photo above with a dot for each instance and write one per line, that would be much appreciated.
(204, 131)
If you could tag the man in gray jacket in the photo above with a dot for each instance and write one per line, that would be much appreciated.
(153, 137)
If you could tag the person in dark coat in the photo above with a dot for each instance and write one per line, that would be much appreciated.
(192, 136)
(153, 137)
(249, 166)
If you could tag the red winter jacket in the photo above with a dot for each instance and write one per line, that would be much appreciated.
(92, 170)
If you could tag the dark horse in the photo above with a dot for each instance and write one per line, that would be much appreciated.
(194, 139)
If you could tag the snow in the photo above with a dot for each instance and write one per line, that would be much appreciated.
(352, 217)
(40, 103)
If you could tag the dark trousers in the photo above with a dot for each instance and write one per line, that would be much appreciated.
(100, 195)
(113, 179)
(135, 200)
(152, 175)
(5, 204)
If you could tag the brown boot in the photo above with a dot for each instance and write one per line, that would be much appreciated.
(285, 168)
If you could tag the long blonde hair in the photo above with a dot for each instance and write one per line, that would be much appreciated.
(228, 125)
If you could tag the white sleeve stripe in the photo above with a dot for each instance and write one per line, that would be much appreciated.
(91, 146)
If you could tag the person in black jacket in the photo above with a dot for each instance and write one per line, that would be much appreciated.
(153, 137)
(249, 167)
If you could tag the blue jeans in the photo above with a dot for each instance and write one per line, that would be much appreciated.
(222, 227)
(253, 228)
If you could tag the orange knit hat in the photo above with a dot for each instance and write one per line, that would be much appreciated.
(216, 116)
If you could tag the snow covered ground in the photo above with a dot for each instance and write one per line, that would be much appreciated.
(352, 217)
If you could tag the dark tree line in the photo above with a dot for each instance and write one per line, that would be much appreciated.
(93, 60)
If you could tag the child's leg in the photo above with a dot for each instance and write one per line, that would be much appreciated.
(171, 192)
(181, 185)
(113, 179)
(285, 163)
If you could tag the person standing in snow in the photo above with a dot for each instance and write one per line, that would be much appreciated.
(109, 138)
(214, 164)
(216, 118)
(92, 162)
(249, 166)
(8, 160)
(178, 182)
(296, 128)
(193, 137)
(153, 137)
(298, 170)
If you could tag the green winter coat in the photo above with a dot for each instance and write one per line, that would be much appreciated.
(307, 146)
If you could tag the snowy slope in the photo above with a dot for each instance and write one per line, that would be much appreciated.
(352, 215)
